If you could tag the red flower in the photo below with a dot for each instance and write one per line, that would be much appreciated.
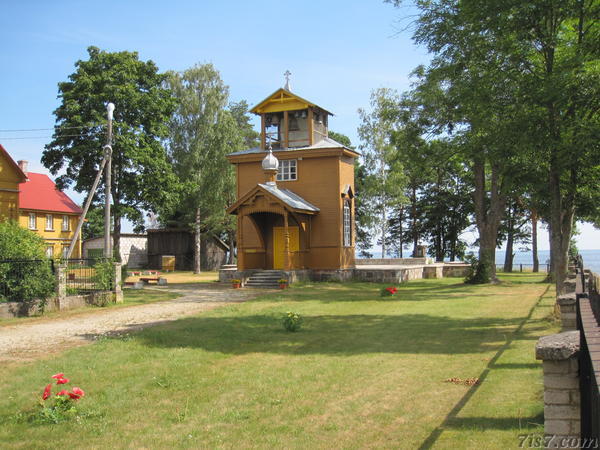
(58, 376)
(77, 393)
(63, 392)
(47, 392)
(391, 290)
(62, 381)
(394, 290)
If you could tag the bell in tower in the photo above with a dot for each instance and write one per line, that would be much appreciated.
(289, 121)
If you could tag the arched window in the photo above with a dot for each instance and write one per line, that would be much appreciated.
(347, 222)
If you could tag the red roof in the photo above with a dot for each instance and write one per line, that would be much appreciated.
(40, 193)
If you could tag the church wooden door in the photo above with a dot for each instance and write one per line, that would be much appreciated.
(279, 245)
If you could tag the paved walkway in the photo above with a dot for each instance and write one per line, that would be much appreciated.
(24, 342)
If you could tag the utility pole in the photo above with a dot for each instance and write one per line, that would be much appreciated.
(108, 147)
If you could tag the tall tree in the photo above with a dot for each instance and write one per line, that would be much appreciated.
(550, 60)
(142, 178)
(202, 132)
(384, 180)
(363, 213)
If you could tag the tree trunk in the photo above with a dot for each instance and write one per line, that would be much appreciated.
(415, 234)
(510, 238)
(231, 258)
(509, 255)
(487, 218)
(534, 244)
(383, 231)
(400, 220)
(562, 213)
(197, 243)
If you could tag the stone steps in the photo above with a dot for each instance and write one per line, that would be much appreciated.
(265, 279)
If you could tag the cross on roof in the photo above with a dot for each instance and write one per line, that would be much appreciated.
(287, 80)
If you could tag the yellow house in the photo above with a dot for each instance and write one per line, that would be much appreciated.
(10, 177)
(33, 200)
(48, 212)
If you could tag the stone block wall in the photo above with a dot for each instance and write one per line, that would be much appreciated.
(562, 403)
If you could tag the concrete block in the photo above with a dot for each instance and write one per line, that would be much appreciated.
(138, 285)
(557, 397)
(162, 281)
(561, 412)
(560, 382)
(557, 367)
(575, 397)
(557, 427)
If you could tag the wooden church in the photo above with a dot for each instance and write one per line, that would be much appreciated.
(295, 193)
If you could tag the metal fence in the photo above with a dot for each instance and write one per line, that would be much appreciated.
(524, 268)
(88, 275)
(588, 314)
(20, 278)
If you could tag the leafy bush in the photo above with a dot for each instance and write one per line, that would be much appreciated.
(31, 277)
(104, 274)
(480, 272)
(292, 321)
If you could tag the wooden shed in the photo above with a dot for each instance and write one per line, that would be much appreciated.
(180, 244)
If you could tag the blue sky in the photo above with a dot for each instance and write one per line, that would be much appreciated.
(337, 51)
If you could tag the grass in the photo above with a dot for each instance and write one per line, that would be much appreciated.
(362, 372)
(131, 297)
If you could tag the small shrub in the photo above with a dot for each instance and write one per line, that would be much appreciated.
(292, 321)
(31, 278)
(480, 272)
(104, 274)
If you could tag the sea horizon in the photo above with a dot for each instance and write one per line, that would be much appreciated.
(591, 258)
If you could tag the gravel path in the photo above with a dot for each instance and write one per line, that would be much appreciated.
(29, 341)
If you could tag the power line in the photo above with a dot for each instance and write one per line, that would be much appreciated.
(47, 129)
(40, 137)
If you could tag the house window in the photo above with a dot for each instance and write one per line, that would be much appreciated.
(49, 222)
(32, 221)
(347, 225)
(65, 223)
(287, 170)
(65, 250)
(50, 251)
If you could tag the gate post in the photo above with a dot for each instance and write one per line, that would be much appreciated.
(61, 285)
(118, 291)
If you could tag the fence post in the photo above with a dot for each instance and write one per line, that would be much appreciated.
(61, 285)
(118, 291)
(562, 417)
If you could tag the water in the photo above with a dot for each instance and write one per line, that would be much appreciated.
(591, 258)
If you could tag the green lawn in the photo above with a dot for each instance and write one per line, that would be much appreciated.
(362, 372)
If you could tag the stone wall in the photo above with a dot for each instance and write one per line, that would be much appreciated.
(562, 403)
(390, 261)
(24, 309)
(376, 274)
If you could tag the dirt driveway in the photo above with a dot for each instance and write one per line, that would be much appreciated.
(25, 342)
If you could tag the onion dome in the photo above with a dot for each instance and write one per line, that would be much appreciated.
(270, 162)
